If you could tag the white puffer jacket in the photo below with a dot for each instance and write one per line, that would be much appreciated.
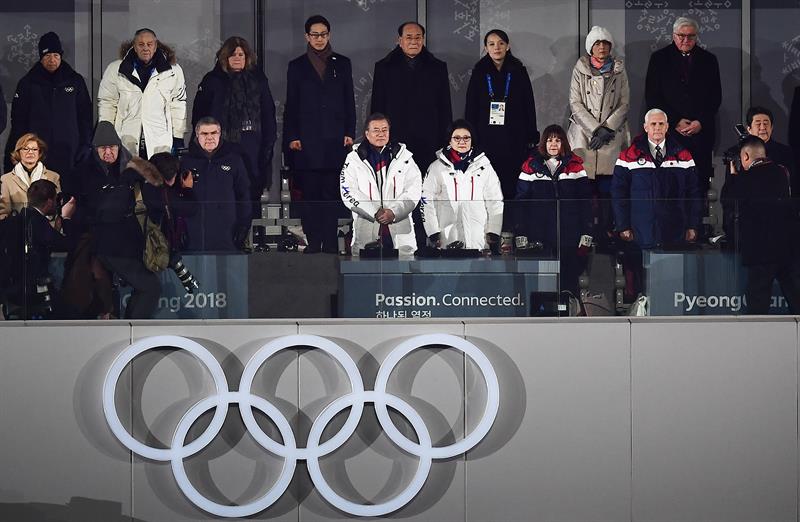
(399, 190)
(159, 111)
(462, 206)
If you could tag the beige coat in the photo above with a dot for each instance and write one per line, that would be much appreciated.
(14, 191)
(598, 100)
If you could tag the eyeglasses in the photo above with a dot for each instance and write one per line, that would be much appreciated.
(28, 149)
(319, 35)
(689, 37)
(379, 131)
(461, 139)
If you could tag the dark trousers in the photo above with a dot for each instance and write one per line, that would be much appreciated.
(321, 207)
(146, 286)
(759, 286)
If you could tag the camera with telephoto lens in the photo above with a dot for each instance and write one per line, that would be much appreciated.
(731, 155)
(187, 279)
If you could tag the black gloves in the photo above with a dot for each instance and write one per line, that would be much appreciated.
(600, 137)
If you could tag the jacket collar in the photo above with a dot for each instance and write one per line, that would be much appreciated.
(642, 145)
(160, 62)
(363, 149)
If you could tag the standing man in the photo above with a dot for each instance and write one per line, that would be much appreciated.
(52, 101)
(381, 184)
(144, 95)
(221, 188)
(768, 227)
(412, 88)
(683, 80)
(319, 122)
(654, 193)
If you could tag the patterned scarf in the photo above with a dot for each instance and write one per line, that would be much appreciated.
(603, 66)
(242, 107)
(460, 160)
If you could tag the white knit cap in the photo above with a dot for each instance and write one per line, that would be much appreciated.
(597, 34)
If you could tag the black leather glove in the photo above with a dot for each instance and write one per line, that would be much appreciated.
(601, 136)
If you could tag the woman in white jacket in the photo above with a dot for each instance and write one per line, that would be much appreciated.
(461, 195)
(599, 98)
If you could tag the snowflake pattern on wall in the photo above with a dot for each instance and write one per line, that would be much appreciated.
(791, 56)
(496, 15)
(365, 5)
(362, 88)
(460, 80)
(467, 18)
(24, 48)
(658, 22)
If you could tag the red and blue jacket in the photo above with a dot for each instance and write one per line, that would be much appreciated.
(659, 203)
(554, 208)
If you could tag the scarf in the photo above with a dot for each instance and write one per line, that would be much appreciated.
(319, 59)
(242, 106)
(144, 71)
(602, 66)
(27, 179)
(460, 160)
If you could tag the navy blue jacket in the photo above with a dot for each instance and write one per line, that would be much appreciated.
(210, 101)
(319, 113)
(416, 100)
(658, 203)
(554, 208)
(222, 192)
(58, 108)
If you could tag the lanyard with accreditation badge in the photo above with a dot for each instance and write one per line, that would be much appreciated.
(497, 110)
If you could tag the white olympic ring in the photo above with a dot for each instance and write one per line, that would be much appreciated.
(313, 451)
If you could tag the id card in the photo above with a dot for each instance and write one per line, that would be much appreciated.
(497, 113)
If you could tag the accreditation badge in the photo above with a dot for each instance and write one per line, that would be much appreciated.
(497, 113)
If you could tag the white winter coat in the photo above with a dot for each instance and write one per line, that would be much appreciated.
(160, 111)
(462, 206)
(401, 190)
(598, 100)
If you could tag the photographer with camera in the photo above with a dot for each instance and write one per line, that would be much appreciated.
(759, 123)
(171, 204)
(768, 227)
(40, 228)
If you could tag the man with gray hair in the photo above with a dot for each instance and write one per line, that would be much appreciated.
(655, 196)
(683, 80)
(221, 188)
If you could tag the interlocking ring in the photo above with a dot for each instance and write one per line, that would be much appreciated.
(355, 400)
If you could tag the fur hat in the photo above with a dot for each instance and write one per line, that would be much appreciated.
(598, 34)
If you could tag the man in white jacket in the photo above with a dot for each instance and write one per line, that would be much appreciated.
(381, 184)
(144, 95)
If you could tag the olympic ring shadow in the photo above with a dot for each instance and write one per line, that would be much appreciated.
(369, 433)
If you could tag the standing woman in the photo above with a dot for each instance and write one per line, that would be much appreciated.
(27, 159)
(236, 93)
(555, 210)
(599, 99)
(500, 106)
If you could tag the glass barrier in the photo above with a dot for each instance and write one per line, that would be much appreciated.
(530, 258)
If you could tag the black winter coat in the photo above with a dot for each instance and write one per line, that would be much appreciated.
(319, 113)
(768, 225)
(698, 98)
(3, 111)
(106, 204)
(794, 139)
(58, 108)
(416, 100)
(222, 192)
(210, 101)
(505, 145)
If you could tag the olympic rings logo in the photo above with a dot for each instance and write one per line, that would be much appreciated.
(314, 450)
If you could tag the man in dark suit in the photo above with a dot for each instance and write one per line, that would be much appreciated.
(412, 88)
(319, 122)
(683, 80)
